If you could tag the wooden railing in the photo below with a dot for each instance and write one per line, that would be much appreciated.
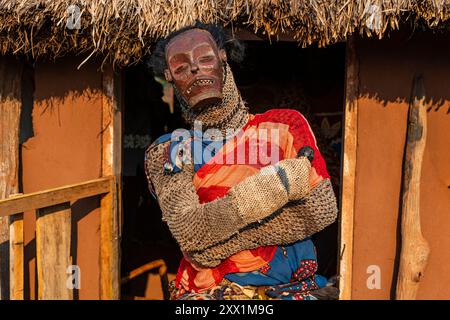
(53, 234)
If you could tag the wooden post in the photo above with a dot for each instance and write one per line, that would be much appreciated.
(53, 227)
(16, 250)
(111, 203)
(414, 248)
(10, 107)
(348, 171)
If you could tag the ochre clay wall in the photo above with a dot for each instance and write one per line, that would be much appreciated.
(65, 149)
(386, 72)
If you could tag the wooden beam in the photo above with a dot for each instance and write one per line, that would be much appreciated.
(110, 211)
(46, 198)
(10, 108)
(162, 270)
(53, 235)
(414, 248)
(160, 264)
(348, 171)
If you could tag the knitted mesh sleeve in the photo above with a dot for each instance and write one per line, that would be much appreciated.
(295, 221)
(198, 226)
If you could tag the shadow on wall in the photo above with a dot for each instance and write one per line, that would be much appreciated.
(50, 93)
(387, 68)
(63, 73)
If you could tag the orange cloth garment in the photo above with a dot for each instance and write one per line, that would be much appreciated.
(278, 134)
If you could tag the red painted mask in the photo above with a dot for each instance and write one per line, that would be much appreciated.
(195, 67)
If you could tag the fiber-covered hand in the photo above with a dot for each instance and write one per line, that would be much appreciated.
(258, 196)
(295, 175)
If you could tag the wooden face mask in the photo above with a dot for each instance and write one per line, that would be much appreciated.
(195, 67)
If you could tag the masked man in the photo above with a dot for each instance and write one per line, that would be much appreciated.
(235, 196)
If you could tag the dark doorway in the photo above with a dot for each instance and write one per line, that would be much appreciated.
(279, 75)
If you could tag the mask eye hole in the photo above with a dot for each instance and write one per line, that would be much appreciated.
(206, 59)
(180, 69)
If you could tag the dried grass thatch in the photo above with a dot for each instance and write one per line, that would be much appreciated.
(123, 30)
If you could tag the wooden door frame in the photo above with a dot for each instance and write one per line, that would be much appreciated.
(348, 170)
(111, 215)
(11, 69)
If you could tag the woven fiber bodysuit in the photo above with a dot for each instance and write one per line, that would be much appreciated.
(207, 223)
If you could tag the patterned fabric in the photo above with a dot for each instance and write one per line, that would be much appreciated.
(290, 275)
(214, 178)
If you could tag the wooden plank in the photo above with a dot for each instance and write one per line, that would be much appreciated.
(414, 248)
(110, 211)
(160, 264)
(53, 230)
(162, 270)
(55, 196)
(10, 107)
(348, 172)
(16, 251)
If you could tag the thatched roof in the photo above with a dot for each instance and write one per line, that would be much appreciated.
(123, 30)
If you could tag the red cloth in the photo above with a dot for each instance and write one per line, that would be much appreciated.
(213, 181)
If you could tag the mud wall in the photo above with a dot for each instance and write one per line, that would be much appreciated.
(65, 149)
(386, 71)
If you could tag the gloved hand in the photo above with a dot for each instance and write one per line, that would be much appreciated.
(295, 174)
(258, 196)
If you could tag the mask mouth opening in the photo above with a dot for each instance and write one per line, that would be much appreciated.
(200, 83)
